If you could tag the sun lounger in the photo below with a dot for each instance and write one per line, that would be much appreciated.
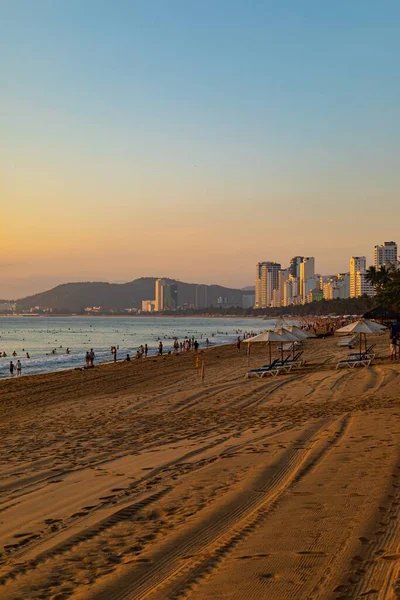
(356, 361)
(295, 361)
(348, 342)
(273, 372)
(269, 370)
(368, 352)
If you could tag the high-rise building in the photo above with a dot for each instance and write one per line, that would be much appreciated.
(385, 255)
(291, 291)
(307, 271)
(170, 296)
(357, 265)
(266, 282)
(310, 284)
(358, 283)
(337, 286)
(201, 296)
(294, 267)
(159, 295)
(279, 294)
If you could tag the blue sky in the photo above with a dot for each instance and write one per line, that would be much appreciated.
(132, 126)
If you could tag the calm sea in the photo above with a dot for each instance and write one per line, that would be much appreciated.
(39, 336)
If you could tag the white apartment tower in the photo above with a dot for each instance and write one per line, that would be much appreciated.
(267, 280)
(279, 296)
(307, 271)
(290, 291)
(358, 284)
(385, 255)
(357, 265)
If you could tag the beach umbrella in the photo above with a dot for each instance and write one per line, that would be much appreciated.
(376, 327)
(302, 334)
(361, 327)
(287, 336)
(269, 337)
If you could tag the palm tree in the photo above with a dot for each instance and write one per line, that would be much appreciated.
(372, 276)
(384, 276)
(379, 278)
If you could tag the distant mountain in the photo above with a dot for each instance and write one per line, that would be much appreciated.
(74, 297)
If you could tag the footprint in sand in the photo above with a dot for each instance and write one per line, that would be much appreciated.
(269, 576)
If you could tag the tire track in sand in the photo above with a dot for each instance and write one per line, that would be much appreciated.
(125, 512)
(175, 569)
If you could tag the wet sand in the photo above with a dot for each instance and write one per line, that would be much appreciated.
(133, 481)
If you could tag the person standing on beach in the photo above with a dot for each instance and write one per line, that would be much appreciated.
(160, 348)
(393, 343)
(19, 368)
(146, 349)
(91, 357)
(11, 368)
(115, 354)
(196, 345)
(238, 343)
(87, 360)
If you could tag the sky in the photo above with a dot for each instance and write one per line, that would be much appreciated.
(193, 139)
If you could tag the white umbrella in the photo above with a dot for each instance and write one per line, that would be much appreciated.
(269, 337)
(362, 327)
(376, 327)
(288, 336)
(301, 333)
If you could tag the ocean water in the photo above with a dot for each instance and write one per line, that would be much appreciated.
(40, 335)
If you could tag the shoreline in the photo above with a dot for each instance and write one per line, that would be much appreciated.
(118, 362)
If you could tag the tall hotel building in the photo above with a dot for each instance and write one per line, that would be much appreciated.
(159, 294)
(267, 280)
(358, 284)
(307, 271)
(385, 255)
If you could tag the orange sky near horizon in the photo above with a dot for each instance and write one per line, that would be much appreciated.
(157, 141)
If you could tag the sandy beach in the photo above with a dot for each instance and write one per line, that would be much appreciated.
(133, 481)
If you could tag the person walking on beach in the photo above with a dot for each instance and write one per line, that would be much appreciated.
(393, 344)
(91, 357)
(238, 344)
(19, 368)
(160, 348)
(11, 368)
(196, 346)
(87, 360)
(146, 349)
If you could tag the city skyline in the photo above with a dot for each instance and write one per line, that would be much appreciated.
(305, 279)
(166, 139)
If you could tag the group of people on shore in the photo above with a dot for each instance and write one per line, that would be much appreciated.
(89, 359)
(17, 368)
